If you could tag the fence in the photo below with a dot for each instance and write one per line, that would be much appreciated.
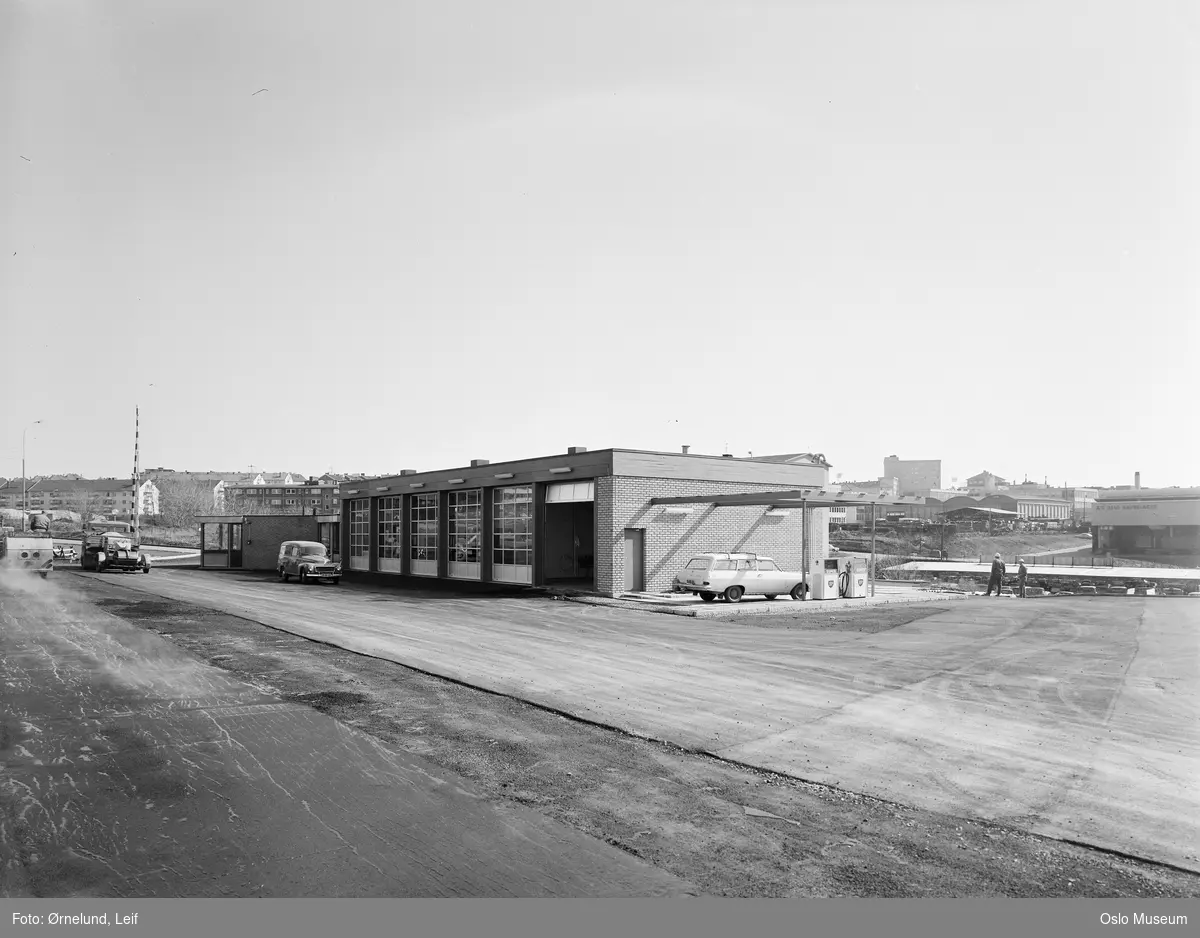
(1063, 560)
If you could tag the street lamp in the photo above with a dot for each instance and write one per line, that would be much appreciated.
(24, 480)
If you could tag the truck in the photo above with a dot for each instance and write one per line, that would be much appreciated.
(31, 551)
(109, 545)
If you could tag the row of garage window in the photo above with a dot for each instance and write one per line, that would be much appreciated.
(512, 528)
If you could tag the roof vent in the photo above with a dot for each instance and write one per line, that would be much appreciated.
(576, 450)
(727, 455)
(408, 472)
(685, 449)
(478, 462)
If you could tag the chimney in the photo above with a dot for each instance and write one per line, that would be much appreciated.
(575, 450)
(685, 449)
(1137, 480)
(408, 472)
(475, 463)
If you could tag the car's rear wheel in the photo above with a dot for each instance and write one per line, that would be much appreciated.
(707, 596)
(734, 594)
(797, 591)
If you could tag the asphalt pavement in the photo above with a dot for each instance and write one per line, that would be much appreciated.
(133, 770)
(1074, 718)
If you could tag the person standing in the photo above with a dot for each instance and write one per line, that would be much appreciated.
(997, 578)
(1022, 572)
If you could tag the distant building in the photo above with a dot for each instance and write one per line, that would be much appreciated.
(279, 492)
(986, 483)
(882, 486)
(1083, 503)
(942, 494)
(916, 476)
(1159, 523)
(111, 497)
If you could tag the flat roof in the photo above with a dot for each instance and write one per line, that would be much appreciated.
(1061, 570)
(1155, 495)
(587, 463)
(809, 498)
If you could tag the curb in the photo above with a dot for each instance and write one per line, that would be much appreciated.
(713, 610)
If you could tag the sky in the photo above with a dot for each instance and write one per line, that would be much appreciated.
(370, 236)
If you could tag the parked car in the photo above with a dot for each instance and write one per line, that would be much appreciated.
(733, 576)
(307, 560)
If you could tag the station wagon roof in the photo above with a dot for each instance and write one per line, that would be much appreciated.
(304, 544)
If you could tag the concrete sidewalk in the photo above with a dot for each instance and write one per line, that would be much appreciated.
(689, 604)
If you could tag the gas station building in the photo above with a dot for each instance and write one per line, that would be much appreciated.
(608, 521)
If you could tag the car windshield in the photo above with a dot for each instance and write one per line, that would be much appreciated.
(316, 552)
(119, 543)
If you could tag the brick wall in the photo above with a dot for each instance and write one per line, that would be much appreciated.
(262, 535)
(671, 540)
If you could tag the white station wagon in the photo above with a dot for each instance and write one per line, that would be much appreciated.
(733, 576)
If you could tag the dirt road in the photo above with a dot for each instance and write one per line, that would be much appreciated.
(1073, 717)
(133, 769)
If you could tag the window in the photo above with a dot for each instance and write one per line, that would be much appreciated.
(276, 491)
(389, 528)
(424, 534)
(289, 501)
(360, 528)
(276, 501)
(313, 501)
(512, 525)
(466, 526)
(767, 565)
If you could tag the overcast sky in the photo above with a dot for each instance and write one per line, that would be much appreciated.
(369, 237)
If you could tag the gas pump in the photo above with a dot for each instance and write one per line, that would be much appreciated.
(852, 581)
(824, 575)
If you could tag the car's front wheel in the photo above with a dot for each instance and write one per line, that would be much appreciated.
(302, 577)
(707, 596)
(734, 594)
(772, 596)
(284, 575)
(337, 580)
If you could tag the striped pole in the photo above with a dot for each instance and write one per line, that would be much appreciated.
(137, 474)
